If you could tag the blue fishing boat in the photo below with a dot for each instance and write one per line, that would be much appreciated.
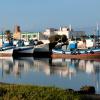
(93, 53)
(74, 52)
(6, 50)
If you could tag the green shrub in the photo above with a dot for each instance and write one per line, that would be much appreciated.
(87, 90)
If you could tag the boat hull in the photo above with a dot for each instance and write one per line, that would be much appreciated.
(42, 51)
(23, 51)
(95, 55)
(6, 53)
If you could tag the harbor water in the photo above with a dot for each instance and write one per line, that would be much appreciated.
(62, 73)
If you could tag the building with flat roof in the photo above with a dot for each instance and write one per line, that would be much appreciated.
(24, 35)
(66, 30)
(29, 35)
(50, 31)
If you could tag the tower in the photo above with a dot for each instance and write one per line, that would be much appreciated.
(17, 33)
(17, 29)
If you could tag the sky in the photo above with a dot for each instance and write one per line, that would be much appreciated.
(37, 15)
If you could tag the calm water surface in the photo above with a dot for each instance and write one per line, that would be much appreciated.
(63, 73)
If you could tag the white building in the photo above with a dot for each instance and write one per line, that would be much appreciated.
(88, 44)
(64, 31)
(50, 31)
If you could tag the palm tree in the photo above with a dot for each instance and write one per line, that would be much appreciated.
(8, 35)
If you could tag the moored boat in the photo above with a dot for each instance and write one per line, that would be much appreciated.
(77, 54)
(6, 47)
(6, 52)
(41, 50)
(22, 50)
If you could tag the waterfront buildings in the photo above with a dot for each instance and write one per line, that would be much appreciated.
(25, 35)
(18, 34)
(43, 36)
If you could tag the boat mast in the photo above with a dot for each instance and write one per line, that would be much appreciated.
(94, 37)
(98, 34)
(2, 38)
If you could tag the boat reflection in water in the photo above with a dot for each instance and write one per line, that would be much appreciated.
(6, 66)
(64, 73)
(22, 65)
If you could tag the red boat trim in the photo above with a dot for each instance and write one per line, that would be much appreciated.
(5, 54)
(77, 56)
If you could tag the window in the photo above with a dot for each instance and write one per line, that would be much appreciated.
(23, 36)
(34, 36)
(29, 37)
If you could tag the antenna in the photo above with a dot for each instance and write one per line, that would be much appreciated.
(70, 27)
(97, 27)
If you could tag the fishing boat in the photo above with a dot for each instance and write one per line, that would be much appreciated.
(6, 50)
(22, 50)
(41, 50)
(93, 53)
(73, 52)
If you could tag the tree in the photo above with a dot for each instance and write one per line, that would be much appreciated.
(64, 38)
(54, 38)
(8, 35)
(52, 45)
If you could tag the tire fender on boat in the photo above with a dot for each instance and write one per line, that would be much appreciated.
(92, 52)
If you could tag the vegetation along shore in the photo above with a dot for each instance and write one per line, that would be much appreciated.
(28, 92)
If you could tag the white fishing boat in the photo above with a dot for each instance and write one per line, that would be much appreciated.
(6, 51)
(22, 50)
